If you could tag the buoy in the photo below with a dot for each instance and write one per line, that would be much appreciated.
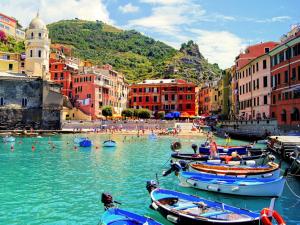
(75, 147)
(32, 148)
(12, 148)
(264, 214)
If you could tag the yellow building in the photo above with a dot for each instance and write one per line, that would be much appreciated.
(11, 62)
(216, 97)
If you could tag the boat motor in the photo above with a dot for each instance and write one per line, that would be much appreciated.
(194, 147)
(108, 201)
(176, 167)
(151, 185)
(271, 158)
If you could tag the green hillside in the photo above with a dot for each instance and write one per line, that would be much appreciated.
(137, 56)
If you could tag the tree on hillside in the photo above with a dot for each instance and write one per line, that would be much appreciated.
(107, 111)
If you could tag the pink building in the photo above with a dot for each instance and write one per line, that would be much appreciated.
(255, 89)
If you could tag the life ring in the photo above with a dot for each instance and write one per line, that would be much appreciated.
(175, 145)
(264, 214)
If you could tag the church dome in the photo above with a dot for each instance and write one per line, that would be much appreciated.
(37, 23)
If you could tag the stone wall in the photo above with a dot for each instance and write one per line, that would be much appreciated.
(42, 110)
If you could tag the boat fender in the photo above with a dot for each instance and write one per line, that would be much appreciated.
(235, 188)
(154, 206)
(213, 188)
(266, 212)
(227, 159)
(250, 163)
(267, 175)
(173, 219)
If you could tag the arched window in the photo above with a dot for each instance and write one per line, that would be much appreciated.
(283, 115)
(40, 35)
(31, 53)
(295, 114)
(32, 35)
(40, 53)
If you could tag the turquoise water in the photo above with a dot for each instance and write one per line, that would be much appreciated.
(57, 184)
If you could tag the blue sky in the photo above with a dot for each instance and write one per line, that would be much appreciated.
(220, 27)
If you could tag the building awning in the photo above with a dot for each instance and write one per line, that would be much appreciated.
(295, 89)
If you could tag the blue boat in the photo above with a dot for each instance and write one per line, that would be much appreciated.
(180, 208)
(85, 143)
(116, 216)
(152, 136)
(109, 143)
(9, 139)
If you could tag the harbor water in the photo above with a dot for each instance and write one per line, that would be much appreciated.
(49, 181)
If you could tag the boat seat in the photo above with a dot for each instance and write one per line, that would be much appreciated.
(215, 213)
(185, 206)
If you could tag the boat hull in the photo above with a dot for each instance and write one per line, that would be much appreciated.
(109, 144)
(235, 186)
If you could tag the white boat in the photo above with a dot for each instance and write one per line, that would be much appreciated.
(267, 187)
(9, 139)
(109, 143)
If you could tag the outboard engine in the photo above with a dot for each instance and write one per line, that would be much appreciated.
(151, 185)
(184, 165)
(194, 147)
(175, 167)
(271, 158)
(107, 201)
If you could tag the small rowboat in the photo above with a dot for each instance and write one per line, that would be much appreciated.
(180, 208)
(85, 143)
(115, 216)
(225, 150)
(267, 187)
(258, 155)
(9, 139)
(77, 140)
(109, 143)
(269, 170)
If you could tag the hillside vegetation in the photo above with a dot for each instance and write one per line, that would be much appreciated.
(137, 56)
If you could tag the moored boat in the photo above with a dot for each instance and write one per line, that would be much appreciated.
(116, 216)
(180, 208)
(269, 170)
(9, 139)
(152, 136)
(266, 187)
(85, 143)
(77, 140)
(109, 143)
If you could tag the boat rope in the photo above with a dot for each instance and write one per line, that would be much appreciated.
(287, 184)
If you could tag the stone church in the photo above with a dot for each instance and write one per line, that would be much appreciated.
(31, 100)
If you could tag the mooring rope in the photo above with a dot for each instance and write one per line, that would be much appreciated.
(287, 184)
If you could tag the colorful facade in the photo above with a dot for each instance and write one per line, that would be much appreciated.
(164, 95)
(205, 100)
(255, 89)
(12, 62)
(11, 27)
(285, 72)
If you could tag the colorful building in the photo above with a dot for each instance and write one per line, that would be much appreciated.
(12, 62)
(164, 95)
(255, 88)
(226, 103)
(205, 100)
(285, 72)
(11, 27)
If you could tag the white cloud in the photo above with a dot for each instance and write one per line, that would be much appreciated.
(54, 10)
(270, 20)
(129, 8)
(167, 19)
(218, 46)
(164, 2)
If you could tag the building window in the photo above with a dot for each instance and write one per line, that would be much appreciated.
(265, 81)
(40, 53)
(166, 97)
(155, 98)
(188, 106)
(265, 99)
(24, 102)
(31, 54)
(32, 35)
(279, 97)
(173, 97)
(40, 35)
(134, 99)
(55, 76)
(172, 107)
(10, 66)
(89, 96)
(188, 97)
(62, 76)
(1, 101)
(257, 66)
(267, 50)
(286, 77)
(294, 73)
(278, 79)
(274, 99)
(140, 99)
(283, 115)
(295, 114)
(257, 83)
(264, 64)
(147, 99)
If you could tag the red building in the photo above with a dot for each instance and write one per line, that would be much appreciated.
(285, 73)
(163, 95)
(205, 100)
(85, 93)
(61, 72)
